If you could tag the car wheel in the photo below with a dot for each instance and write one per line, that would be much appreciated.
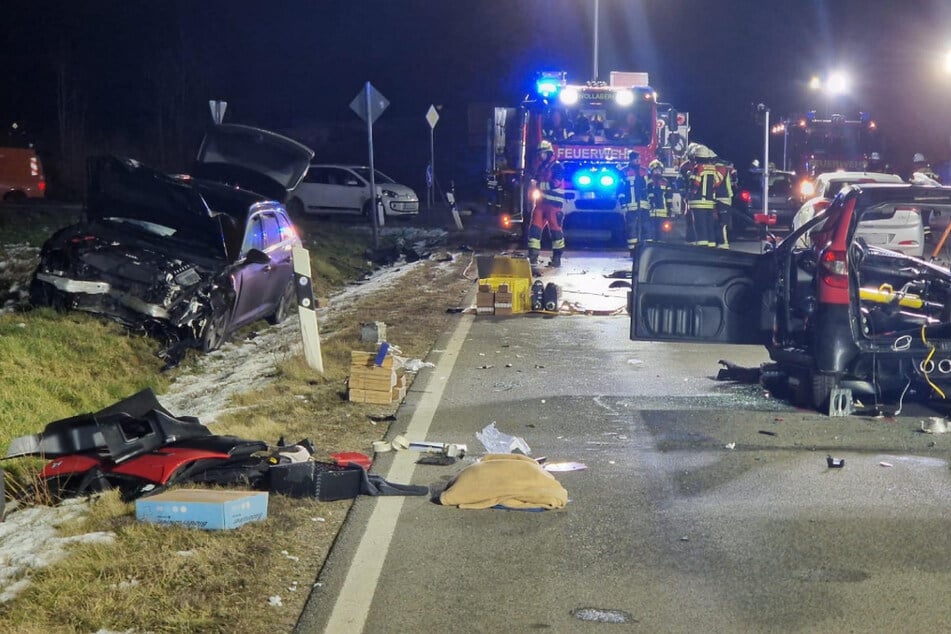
(284, 306)
(820, 388)
(295, 206)
(215, 332)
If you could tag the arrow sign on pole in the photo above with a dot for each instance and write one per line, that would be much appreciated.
(377, 104)
(217, 110)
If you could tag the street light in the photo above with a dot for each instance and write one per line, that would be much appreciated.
(838, 83)
(595, 69)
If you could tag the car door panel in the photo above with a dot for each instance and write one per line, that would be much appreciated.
(700, 294)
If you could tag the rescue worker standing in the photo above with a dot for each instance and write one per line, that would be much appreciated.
(548, 178)
(726, 176)
(921, 166)
(657, 191)
(636, 206)
(701, 196)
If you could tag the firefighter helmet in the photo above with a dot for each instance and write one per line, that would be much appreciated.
(655, 165)
(702, 151)
(545, 146)
(918, 158)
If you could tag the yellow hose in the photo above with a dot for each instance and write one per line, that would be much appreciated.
(924, 363)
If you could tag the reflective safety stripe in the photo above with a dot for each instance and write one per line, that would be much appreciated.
(554, 197)
(558, 244)
(534, 243)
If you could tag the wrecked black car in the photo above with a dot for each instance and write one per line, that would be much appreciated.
(187, 259)
(839, 314)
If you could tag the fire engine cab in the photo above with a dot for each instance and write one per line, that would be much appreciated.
(592, 128)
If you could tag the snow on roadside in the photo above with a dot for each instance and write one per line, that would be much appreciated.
(29, 540)
(239, 367)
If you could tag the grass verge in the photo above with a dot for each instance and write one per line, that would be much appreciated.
(168, 579)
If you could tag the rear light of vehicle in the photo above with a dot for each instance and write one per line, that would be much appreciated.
(765, 219)
(506, 221)
(666, 226)
(41, 186)
(745, 196)
(835, 268)
(908, 243)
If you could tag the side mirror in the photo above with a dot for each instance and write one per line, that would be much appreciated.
(257, 256)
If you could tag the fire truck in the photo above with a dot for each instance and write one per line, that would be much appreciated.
(592, 127)
(813, 145)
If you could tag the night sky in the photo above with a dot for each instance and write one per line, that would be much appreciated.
(134, 77)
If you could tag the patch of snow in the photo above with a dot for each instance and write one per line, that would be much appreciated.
(239, 367)
(29, 541)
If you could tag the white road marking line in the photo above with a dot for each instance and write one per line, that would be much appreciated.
(356, 595)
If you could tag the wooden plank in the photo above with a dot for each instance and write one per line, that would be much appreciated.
(359, 358)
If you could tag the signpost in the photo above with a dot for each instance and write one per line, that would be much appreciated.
(369, 105)
(217, 110)
(432, 118)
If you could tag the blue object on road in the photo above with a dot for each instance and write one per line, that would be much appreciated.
(381, 354)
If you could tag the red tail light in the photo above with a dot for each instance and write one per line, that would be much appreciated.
(745, 196)
(835, 268)
(765, 219)
(666, 226)
(41, 186)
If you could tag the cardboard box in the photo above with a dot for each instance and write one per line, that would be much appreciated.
(372, 378)
(208, 509)
(373, 397)
(324, 481)
(506, 275)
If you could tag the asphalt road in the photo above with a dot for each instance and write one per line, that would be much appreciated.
(668, 529)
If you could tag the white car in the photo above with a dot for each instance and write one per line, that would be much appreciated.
(345, 189)
(828, 185)
(895, 226)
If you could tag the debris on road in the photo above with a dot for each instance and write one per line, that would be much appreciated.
(767, 433)
(730, 445)
(560, 467)
(934, 425)
(835, 463)
(497, 442)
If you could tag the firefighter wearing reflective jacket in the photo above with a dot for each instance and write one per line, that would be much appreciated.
(549, 207)
(701, 196)
(657, 191)
(726, 175)
(635, 204)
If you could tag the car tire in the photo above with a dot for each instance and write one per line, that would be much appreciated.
(295, 206)
(284, 306)
(215, 332)
(820, 388)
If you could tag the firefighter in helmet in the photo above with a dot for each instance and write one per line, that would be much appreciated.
(726, 185)
(658, 189)
(701, 196)
(923, 174)
(921, 166)
(548, 178)
(635, 204)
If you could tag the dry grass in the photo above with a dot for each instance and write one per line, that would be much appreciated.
(169, 579)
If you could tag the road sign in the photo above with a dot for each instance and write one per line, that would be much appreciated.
(432, 117)
(370, 98)
(217, 110)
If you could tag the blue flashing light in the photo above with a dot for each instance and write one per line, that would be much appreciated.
(863, 117)
(546, 87)
(584, 180)
(606, 180)
(811, 115)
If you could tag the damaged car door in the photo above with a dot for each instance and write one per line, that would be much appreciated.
(685, 293)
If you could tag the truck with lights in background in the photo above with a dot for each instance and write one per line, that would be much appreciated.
(813, 145)
(592, 128)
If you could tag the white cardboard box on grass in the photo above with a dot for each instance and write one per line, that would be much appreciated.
(209, 509)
